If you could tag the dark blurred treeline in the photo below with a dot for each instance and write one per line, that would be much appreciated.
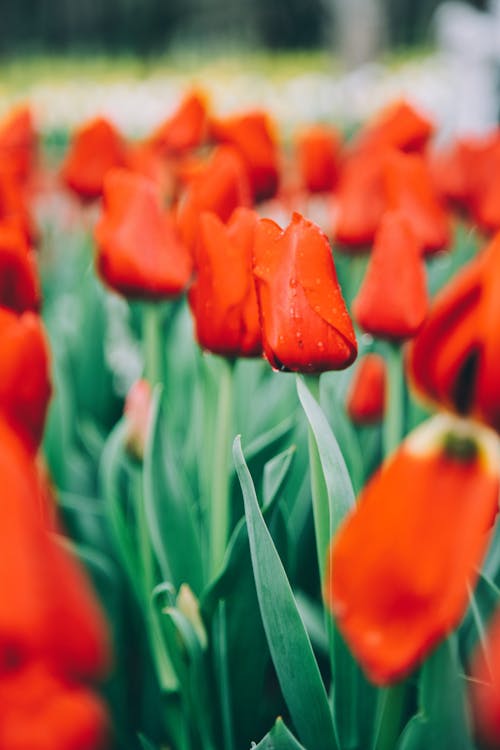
(148, 26)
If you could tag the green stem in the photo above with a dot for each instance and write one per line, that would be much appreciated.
(223, 675)
(153, 342)
(389, 718)
(319, 493)
(219, 509)
(395, 390)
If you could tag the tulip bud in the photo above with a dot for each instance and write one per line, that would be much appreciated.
(138, 417)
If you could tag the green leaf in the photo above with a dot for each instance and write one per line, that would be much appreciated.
(444, 721)
(333, 498)
(241, 649)
(112, 462)
(168, 510)
(145, 743)
(289, 644)
(279, 738)
(337, 481)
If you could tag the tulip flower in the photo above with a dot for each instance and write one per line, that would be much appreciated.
(409, 189)
(43, 710)
(96, 148)
(398, 126)
(392, 301)
(366, 395)
(402, 562)
(318, 150)
(220, 185)
(305, 323)
(24, 375)
(14, 206)
(139, 252)
(485, 685)
(360, 199)
(185, 129)
(223, 298)
(18, 141)
(48, 608)
(454, 360)
(19, 286)
(252, 134)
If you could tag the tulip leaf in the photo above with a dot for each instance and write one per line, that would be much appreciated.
(278, 738)
(145, 743)
(240, 645)
(168, 512)
(112, 461)
(337, 480)
(443, 719)
(333, 498)
(289, 644)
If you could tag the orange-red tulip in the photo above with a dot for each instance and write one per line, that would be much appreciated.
(485, 685)
(398, 126)
(185, 129)
(454, 360)
(223, 298)
(366, 395)
(14, 204)
(253, 135)
(305, 323)
(139, 251)
(18, 141)
(96, 147)
(409, 189)
(24, 374)
(48, 609)
(19, 287)
(360, 199)
(318, 150)
(401, 564)
(221, 185)
(43, 710)
(392, 302)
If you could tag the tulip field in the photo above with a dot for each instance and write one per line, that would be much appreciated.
(249, 434)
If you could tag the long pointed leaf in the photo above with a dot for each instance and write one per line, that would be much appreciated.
(289, 644)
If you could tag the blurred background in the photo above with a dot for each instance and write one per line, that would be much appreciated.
(305, 60)
(353, 28)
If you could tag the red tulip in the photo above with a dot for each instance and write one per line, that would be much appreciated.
(223, 298)
(24, 375)
(485, 685)
(397, 126)
(360, 199)
(48, 609)
(366, 396)
(185, 129)
(139, 252)
(253, 135)
(392, 301)
(305, 323)
(409, 189)
(19, 287)
(18, 141)
(14, 204)
(43, 710)
(220, 186)
(401, 564)
(318, 150)
(454, 360)
(96, 148)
